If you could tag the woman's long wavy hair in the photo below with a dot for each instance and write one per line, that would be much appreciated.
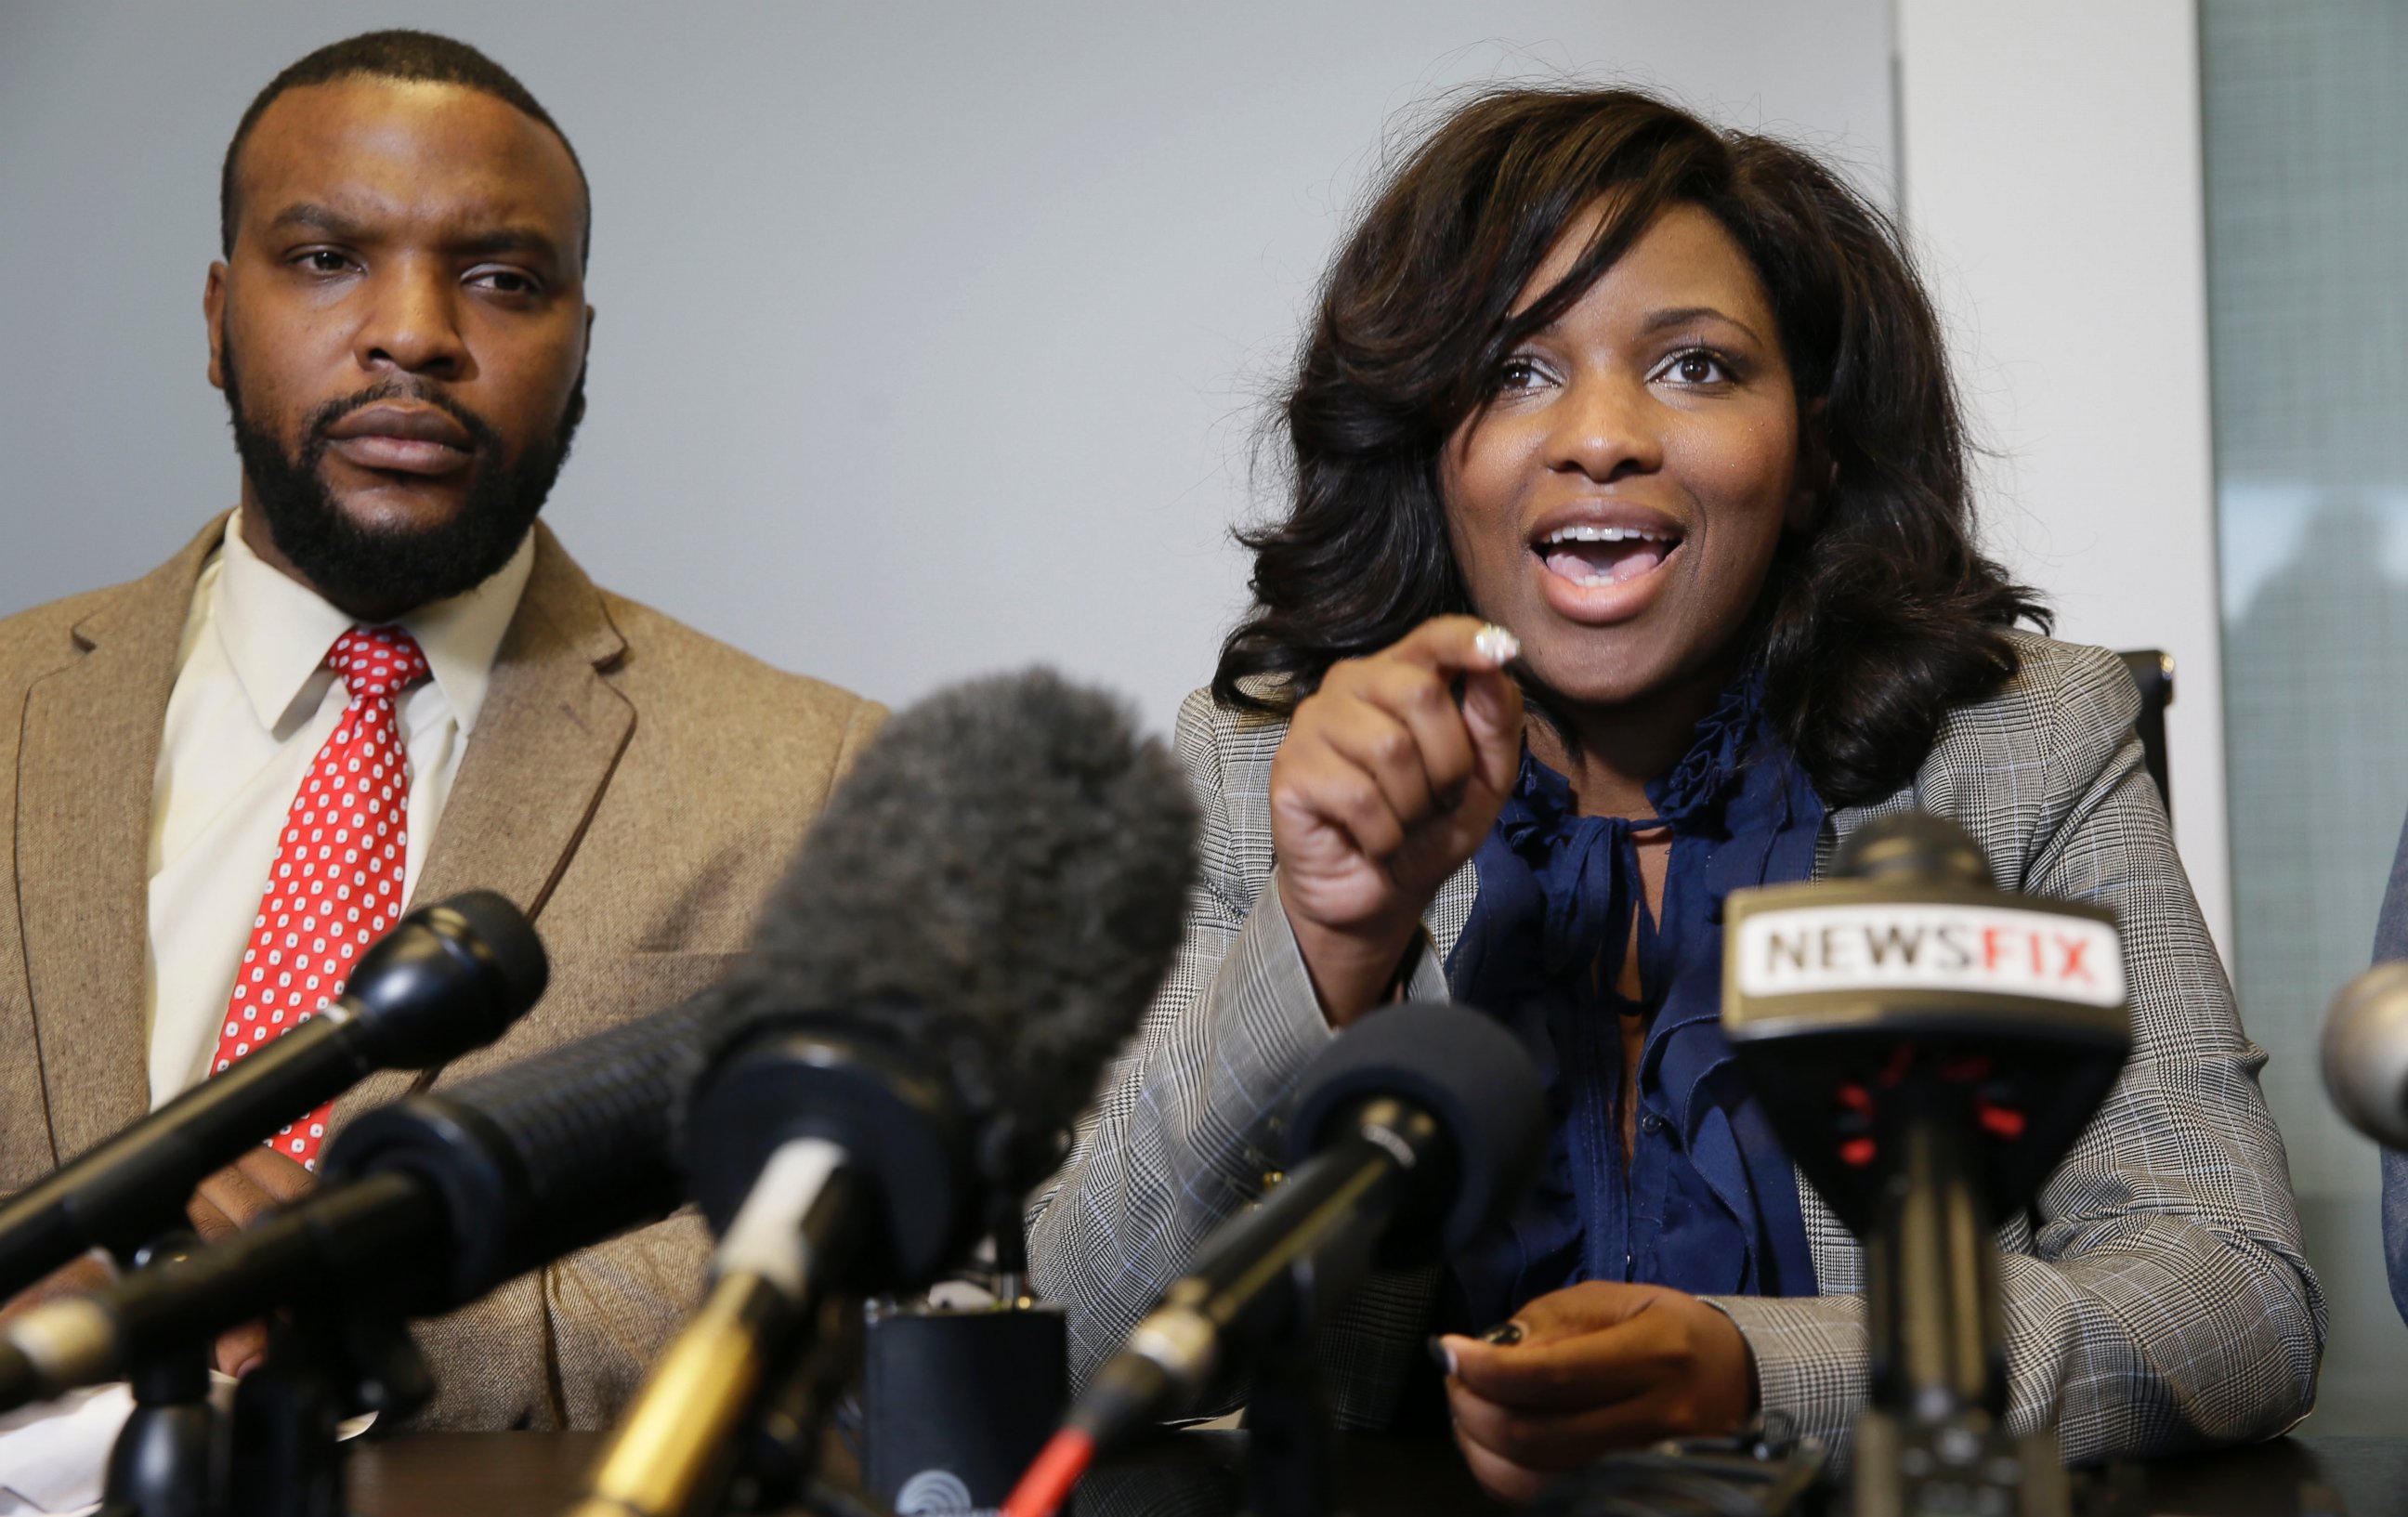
(1874, 620)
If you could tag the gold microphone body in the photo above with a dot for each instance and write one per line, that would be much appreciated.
(675, 1449)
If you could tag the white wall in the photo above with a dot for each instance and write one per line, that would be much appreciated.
(931, 336)
(2052, 185)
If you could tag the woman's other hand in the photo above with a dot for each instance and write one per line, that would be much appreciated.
(1383, 786)
(1596, 1366)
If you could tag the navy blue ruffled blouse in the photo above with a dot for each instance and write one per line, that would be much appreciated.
(1709, 1202)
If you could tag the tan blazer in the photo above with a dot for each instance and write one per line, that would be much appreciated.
(634, 786)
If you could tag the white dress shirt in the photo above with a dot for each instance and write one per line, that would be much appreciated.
(252, 704)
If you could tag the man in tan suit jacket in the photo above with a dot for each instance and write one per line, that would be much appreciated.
(635, 786)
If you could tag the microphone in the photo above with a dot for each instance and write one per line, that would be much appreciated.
(974, 926)
(428, 1204)
(1928, 1047)
(1417, 1127)
(438, 1198)
(2366, 1054)
(448, 978)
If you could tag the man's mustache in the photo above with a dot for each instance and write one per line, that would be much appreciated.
(313, 432)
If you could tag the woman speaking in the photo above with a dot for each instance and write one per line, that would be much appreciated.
(1628, 561)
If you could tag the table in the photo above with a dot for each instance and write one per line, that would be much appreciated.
(2281, 1479)
(530, 1475)
(469, 1474)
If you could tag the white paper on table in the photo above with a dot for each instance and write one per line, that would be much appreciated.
(54, 1457)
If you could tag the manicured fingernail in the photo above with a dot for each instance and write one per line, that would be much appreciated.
(1496, 645)
(1504, 1335)
(1441, 1350)
(249, 1364)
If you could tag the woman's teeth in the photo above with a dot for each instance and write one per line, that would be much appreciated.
(1597, 555)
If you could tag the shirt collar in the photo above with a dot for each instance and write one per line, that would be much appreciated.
(276, 631)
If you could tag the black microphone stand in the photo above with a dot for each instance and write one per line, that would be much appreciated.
(1291, 1445)
(325, 1362)
(1933, 1436)
(278, 1455)
(164, 1462)
(778, 1465)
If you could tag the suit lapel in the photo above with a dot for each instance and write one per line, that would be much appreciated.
(85, 773)
(1450, 910)
(546, 742)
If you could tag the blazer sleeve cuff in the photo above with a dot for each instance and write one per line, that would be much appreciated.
(1810, 1358)
(1287, 1019)
(1287, 1024)
(1271, 1021)
(1280, 1018)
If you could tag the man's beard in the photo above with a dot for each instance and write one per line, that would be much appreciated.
(353, 565)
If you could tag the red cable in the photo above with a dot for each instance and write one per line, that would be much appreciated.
(1051, 1475)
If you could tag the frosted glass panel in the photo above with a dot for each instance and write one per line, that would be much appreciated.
(2307, 198)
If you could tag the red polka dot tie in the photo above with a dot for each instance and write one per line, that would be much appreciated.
(335, 886)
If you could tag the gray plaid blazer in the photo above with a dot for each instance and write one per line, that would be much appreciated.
(2155, 1296)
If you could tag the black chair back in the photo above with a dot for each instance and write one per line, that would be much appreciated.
(2153, 671)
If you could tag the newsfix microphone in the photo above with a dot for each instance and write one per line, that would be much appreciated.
(1928, 1047)
(1416, 1127)
(972, 927)
(448, 979)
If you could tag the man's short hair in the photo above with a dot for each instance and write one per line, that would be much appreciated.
(411, 57)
